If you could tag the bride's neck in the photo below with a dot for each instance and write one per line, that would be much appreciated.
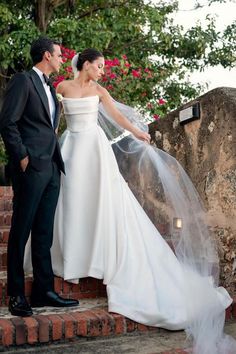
(83, 81)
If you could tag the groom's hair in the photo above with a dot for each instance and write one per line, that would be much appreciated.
(40, 46)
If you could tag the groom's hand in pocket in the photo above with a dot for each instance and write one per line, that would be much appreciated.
(24, 163)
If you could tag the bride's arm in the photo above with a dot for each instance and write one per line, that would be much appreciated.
(119, 117)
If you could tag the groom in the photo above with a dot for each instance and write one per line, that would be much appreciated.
(28, 120)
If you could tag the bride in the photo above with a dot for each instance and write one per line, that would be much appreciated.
(102, 231)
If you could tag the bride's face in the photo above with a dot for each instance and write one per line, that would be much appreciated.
(95, 70)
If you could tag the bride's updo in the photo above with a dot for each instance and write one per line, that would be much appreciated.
(79, 59)
(88, 54)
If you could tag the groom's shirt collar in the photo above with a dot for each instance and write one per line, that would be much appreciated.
(40, 74)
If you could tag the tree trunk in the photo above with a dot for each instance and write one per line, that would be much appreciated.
(40, 15)
(44, 11)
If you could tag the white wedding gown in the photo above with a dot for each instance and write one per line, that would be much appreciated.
(102, 231)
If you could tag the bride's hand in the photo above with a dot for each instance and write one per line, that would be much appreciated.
(143, 136)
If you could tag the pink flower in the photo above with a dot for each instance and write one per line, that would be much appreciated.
(161, 101)
(68, 69)
(124, 57)
(58, 80)
(116, 62)
(107, 69)
(112, 76)
(67, 53)
(156, 116)
(149, 105)
(61, 77)
(108, 62)
(110, 87)
(136, 73)
(127, 64)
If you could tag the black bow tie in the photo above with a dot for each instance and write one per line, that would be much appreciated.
(47, 80)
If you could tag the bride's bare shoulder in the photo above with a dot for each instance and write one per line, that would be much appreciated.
(63, 85)
(101, 90)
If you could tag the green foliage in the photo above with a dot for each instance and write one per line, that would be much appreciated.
(3, 154)
(143, 31)
(17, 32)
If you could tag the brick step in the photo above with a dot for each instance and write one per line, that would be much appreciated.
(6, 192)
(91, 319)
(6, 195)
(86, 289)
(5, 219)
(3, 257)
(4, 234)
(50, 325)
(6, 204)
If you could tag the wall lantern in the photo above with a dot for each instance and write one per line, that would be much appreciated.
(177, 223)
(190, 113)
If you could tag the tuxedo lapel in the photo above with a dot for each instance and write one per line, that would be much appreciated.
(57, 110)
(40, 89)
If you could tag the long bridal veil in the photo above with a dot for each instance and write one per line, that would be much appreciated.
(179, 207)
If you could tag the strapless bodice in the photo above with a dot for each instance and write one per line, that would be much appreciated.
(81, 113)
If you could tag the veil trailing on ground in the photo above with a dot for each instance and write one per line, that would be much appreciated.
(177, 205)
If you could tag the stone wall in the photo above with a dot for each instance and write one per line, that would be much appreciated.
(206, 148)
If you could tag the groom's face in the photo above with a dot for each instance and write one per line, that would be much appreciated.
(55, 59)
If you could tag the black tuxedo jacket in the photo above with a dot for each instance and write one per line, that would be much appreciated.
(25, 123)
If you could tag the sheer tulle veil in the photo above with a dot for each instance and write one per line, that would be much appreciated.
(180, 207)
(74, 65)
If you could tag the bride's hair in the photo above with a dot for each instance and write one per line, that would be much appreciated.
(88, 54)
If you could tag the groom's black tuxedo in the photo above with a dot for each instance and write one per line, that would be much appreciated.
(25, 122)
(27, 130)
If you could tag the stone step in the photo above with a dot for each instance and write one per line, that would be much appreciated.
(86, 289)
(59, 325)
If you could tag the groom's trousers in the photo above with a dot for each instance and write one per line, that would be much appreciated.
(34, 203)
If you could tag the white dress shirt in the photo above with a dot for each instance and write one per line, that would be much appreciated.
(51, 102)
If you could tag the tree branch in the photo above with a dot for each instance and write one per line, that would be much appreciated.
(98, 8)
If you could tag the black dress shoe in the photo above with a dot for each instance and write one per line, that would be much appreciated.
(53, 299)
(18, 306)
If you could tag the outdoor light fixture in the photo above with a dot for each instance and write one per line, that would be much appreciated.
(177, 223)
(190, 113)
